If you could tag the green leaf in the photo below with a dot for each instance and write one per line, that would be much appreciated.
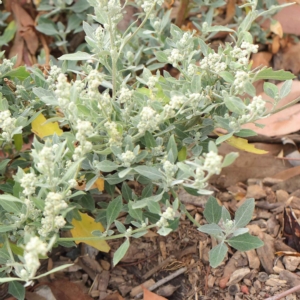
(212, 211)
(10, 203)
(8, 34)
(229, 159)
(223, 138)
(244, 213)
(135, 213)
(249, 89)
(126, 192)
(225, 214)
(161, 56)
(6, 228)
(212, 229)
(17, 290)
(235, 104)
(107, 166)
(144, 202)
(149, 172)
(172, 146)
(149, 140)
(270, 89)
(76, 56)
(121, 228)
(217, 255)
(245, 242)
(18, 141)
(227, 76)
(19, 73)
(286, 88)
(113, 209)
(182, 154)
(153, 207)
(275, 75)
(3, 165)
(245, 133)
(120, 253)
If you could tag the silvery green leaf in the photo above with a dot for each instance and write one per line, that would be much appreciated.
(204, 192)
(76, 56)
(149, 172)
(135, 213)
(113, 209)
(249, 89)
(72, 171)
(275, 75)
(286, 88)
(139, 234)
(270, 89)
(212, 229)
(10, 204)
(212, 211)
(3, 164)
(225, 214)
(164, 231)
(219, 28)
(107, 166)
(143, 154)
(121, 228)
(124, 172)
(235, 104)
(217, 255)
(153, 207)
(48, 97)
(229, 159)
(144, 202)
(161, 56)
(126, 191)
(172, 146)
(240, 231)
(245, 242)
(120, 253)
(244, 213)
(223, 138)
(17, 290)
(51, 272)
(114, 179)
(245, 133)
(227, 76)
(185, 168)
(212, 147)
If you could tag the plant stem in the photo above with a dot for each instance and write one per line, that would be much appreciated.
(105, 238)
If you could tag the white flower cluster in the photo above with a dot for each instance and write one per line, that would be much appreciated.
(170, 169)
(28, 182)
(249, 47)
(46, 158)
(7, 125)
(242, 53)
(199, 179)
(125, 95)
(152, 80)
(104, 103)
(213, 62)
(63, 91)
(115, 10)
(115, 136)
(19, 90)
(213, 163)
(241, 77)
(149, 120)
(191, 70)
(177, 101)
(52, 77)
(257, 107)
(168, 112)
(175, 57)
(94, 79)
(52, 220)
(127, 158)
(33, 249)
(84, 130)
(169, 214)
(229, 225)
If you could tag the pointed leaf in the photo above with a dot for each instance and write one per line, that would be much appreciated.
(212, 211)
(113, 210)
(120, 253)
(245, 242)
(244, 213)
(217, 255)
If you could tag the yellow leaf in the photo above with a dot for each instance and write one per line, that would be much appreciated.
(100, 184)
(41, 130)
(84, 228)
(242, 144)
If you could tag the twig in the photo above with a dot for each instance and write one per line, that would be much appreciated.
(157, 268)
(285, 293)
(163, 281)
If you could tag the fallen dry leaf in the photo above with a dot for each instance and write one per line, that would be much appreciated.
(151, 296)
(287, 174)
(276, 28)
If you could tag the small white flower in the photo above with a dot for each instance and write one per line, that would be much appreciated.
(213, 163)
(149, 120)
(127, 158)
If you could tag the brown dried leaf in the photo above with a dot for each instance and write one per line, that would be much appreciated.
(291, 229)
(276, 28)
(151, 296)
